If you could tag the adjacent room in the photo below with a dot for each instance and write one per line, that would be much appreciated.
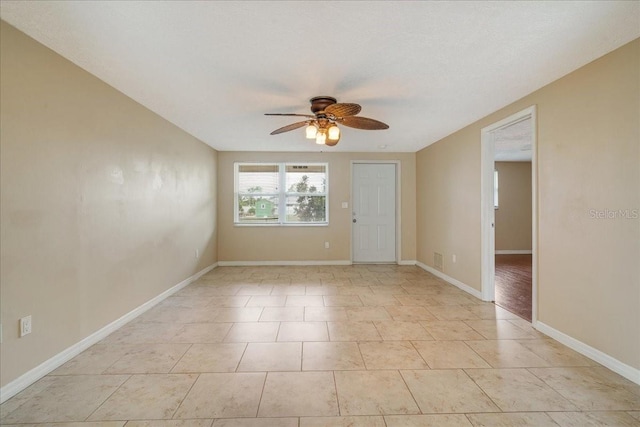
(512, 201)
(307, 214)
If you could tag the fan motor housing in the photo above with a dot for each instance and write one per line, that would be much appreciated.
(319, 103)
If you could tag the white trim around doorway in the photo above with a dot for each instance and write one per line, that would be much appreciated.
(487, 215)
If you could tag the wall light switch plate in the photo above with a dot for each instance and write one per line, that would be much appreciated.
(345, 205)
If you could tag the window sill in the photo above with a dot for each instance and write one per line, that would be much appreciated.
(313, 224)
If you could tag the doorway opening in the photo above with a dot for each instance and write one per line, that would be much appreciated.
(509, 214)
(513, 283)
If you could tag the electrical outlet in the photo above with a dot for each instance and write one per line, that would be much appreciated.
(326, 245)
(453, 258)
(25, 326)
(197, 254)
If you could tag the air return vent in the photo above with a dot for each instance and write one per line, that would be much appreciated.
(437, 261)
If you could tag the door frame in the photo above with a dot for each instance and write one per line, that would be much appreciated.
(398, 199)
(487, 216)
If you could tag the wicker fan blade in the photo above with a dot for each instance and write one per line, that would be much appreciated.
(363, 123)
(289, 127)
(343, 110)
(290, 114)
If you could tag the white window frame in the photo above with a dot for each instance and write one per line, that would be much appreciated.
(282, 195)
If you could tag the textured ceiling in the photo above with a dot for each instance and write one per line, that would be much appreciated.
(513, 142)
(425, 68)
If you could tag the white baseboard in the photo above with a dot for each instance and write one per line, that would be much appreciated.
(30, 377)
(280, 263)
(454, 282)
(514, 252)
(293, 263)
(629, 372)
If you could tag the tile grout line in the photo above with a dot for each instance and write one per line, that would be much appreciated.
(180, 358)
(264, 385)
(108, 397)
(185, 397)
(478, 354)
(420, 354)
(409, 389)
(464, 370)
(335, 386)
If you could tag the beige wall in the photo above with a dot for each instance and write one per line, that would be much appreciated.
(513, 216)
(103, 203)
(588, 159)
(448, 206)
(278, 243)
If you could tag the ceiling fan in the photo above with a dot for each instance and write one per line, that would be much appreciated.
(322, 125)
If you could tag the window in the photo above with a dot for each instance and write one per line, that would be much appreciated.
(281, 193)
(495, 189)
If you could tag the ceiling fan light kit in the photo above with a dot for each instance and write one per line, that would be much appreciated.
(327, 114)
(334, 132)
(311, 131)
(321, 138)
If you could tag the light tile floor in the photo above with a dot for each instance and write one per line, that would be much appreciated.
(326, 346)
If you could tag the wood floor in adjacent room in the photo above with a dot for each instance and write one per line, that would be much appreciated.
(367, 346)
(513, 284)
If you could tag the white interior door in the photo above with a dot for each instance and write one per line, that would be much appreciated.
(374, 212)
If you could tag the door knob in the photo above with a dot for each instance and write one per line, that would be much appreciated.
(355, 220)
